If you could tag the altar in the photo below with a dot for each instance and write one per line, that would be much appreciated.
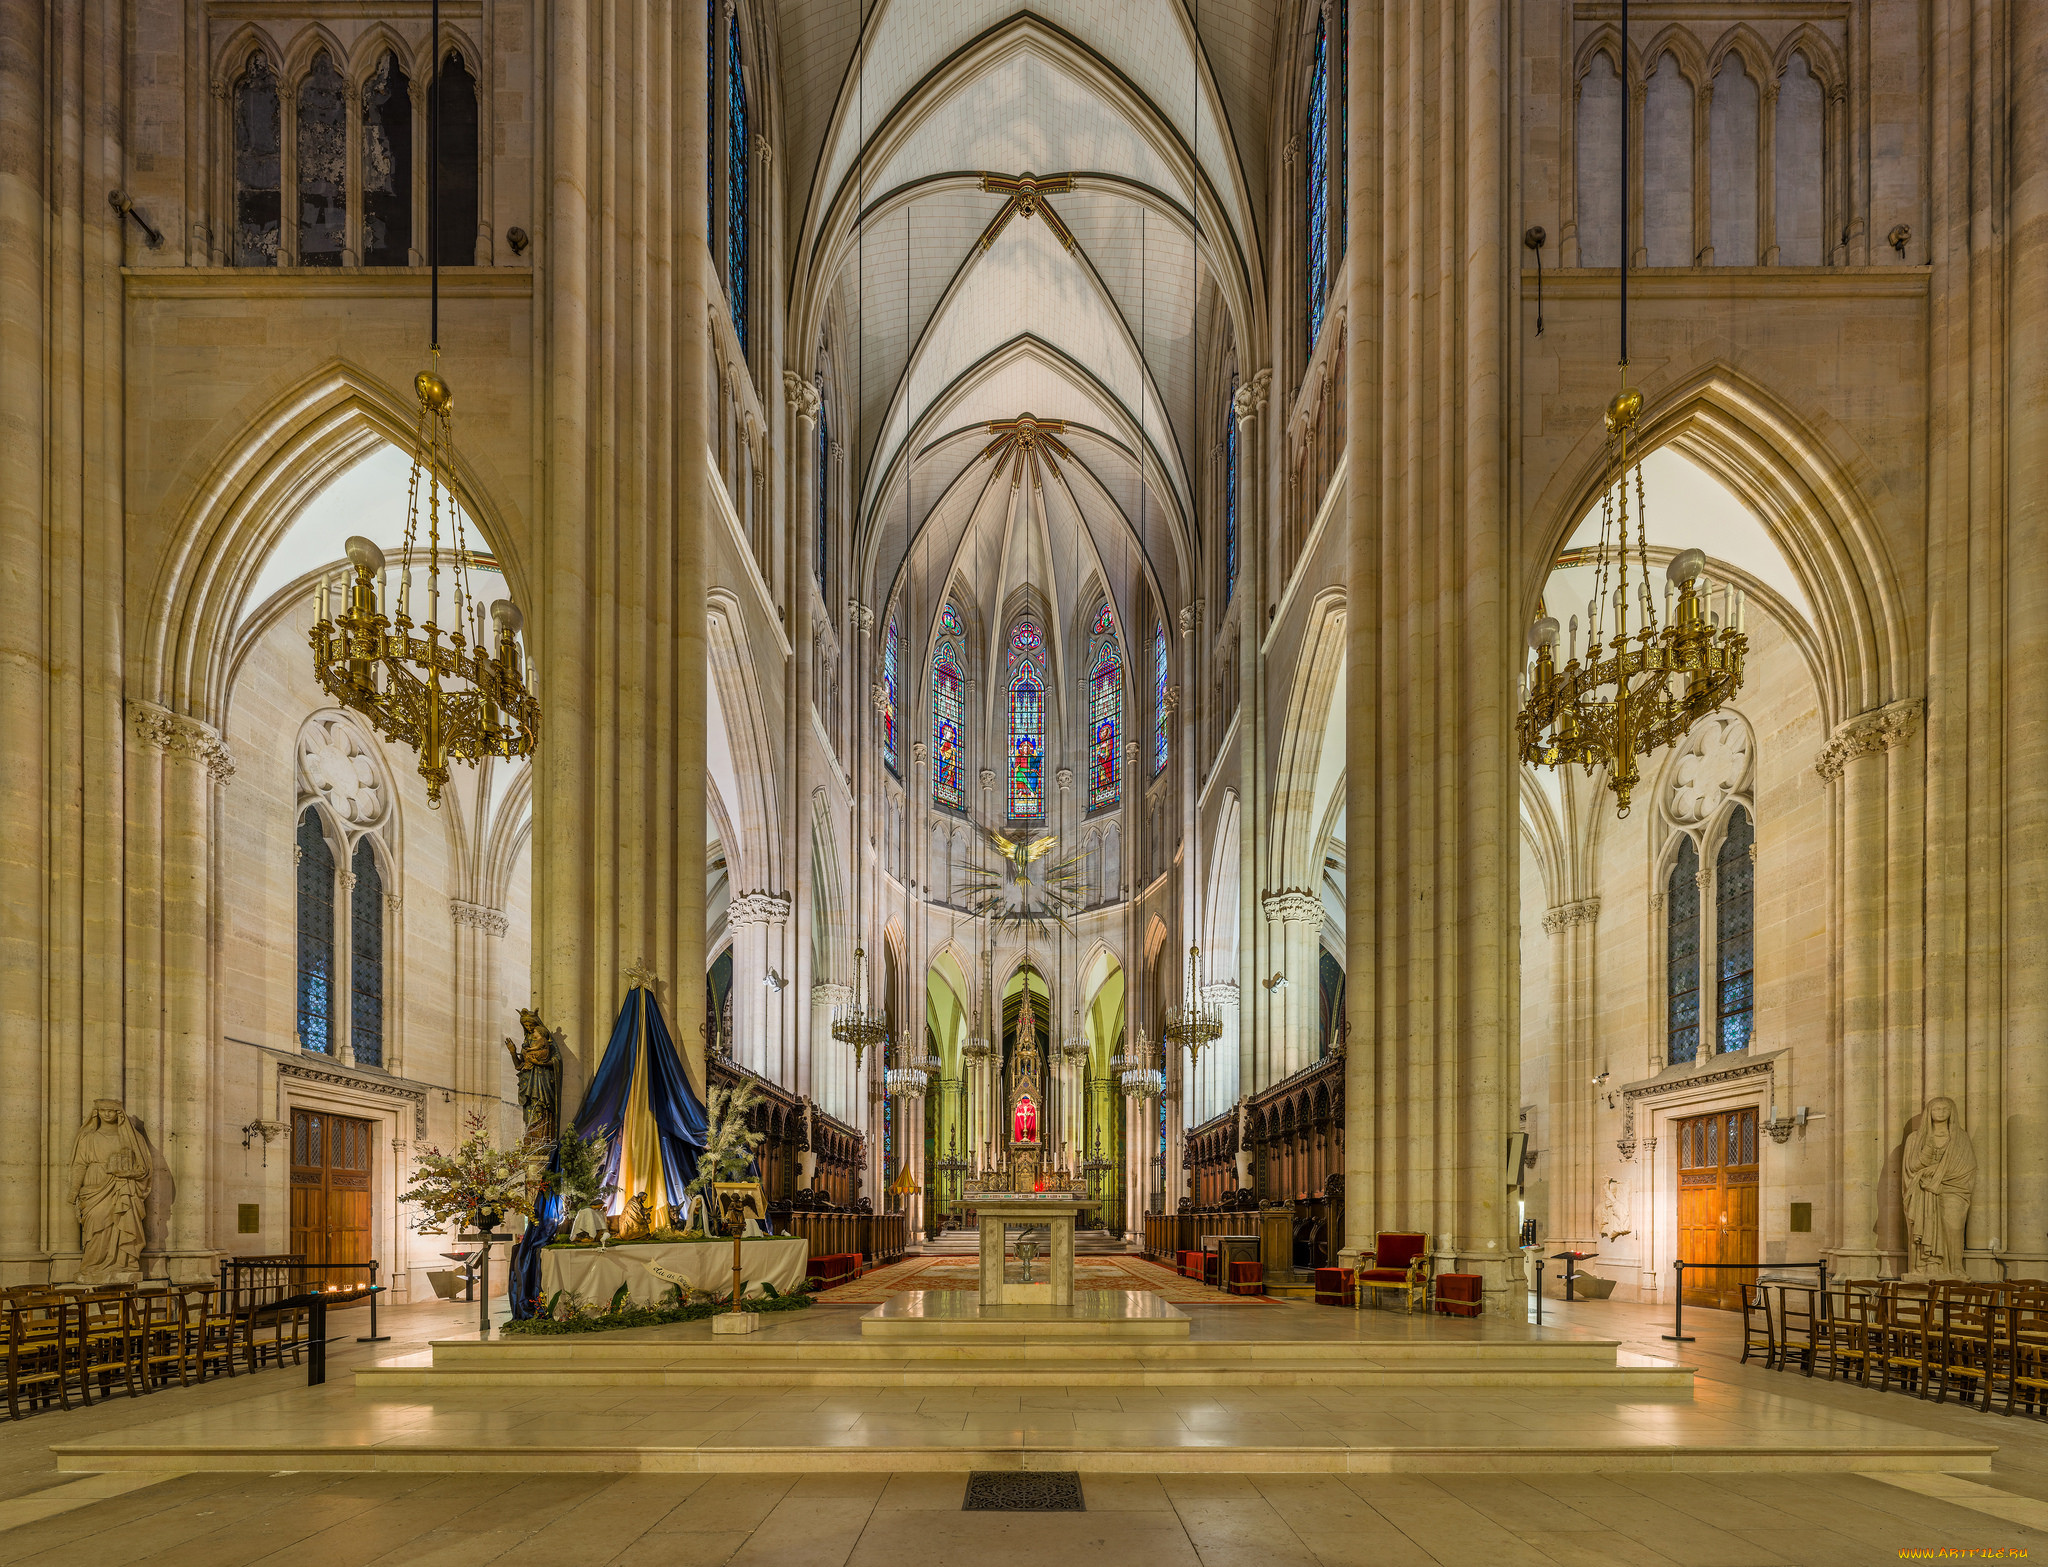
(997, 1211)
(594, 1273)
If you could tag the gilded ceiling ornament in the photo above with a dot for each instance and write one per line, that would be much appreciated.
(1027, 195)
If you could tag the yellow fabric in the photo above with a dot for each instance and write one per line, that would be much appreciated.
(639, 1145)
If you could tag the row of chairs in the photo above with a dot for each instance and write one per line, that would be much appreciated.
(85, 1344)
(1986, 1342)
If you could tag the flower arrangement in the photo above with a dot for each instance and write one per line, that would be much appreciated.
(579, 1172)
(474, 1186)
(729, 1142)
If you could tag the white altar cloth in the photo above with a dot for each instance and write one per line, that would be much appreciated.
(594, 1273)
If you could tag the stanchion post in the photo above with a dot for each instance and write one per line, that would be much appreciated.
(316, 1352)
(1539, 1292)
(1677, 1335)
(374, 1336)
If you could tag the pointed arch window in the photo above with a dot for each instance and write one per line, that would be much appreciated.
(1027, 721)
(1105, 710)
(1230, 492)
(948, 705)
(1317, 281)
(387, 165)
(1735, 933)
(259, 149)
(315, 935)
(1682, 956)
(1159, 725)
(890, 653)
(455, 155)
(366, 957)
(323, 164)
(738, 143)
(825, 493)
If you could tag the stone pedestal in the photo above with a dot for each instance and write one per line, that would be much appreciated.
(996, 1214)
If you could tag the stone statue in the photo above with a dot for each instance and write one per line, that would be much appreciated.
(1939, 1176)
(1613, 1212)
(110, 1179)
(539, 1066)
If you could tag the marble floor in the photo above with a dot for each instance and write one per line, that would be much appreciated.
(310, 1519)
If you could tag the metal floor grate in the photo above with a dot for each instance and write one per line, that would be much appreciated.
(1023, 1491)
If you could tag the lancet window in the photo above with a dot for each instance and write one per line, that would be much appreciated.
(825, 497)
(323, 157)
(1317, 252)
(948, 706)
(1735, 933)
(387, 165)
(341, 878)
(890, 654)
(366, 957)
(1230, 492)
(315, 935)
(1159, 715)
(1105, 710)
(1027, 721)
(1682, 955)
(738, 148)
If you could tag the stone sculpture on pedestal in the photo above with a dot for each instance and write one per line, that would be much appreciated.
(1939, 1176)
(110, 1181)
(538, 1064)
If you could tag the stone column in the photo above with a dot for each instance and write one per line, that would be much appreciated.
(622, 532)
(478, 930)
(1431, 649)
(1571, 1153)
(2024, 1235)
(1295, 919)
(1254, 1028)
(758, 920)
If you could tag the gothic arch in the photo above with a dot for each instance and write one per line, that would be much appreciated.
(754, 858)
(1298, 758)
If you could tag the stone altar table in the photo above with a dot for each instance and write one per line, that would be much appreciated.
(996, 1212)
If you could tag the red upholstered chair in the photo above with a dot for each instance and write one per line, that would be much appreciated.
(1336, 1287)
(1247, 1278)
(1212, 1268)
(1400, 1262)
(1457, 1294)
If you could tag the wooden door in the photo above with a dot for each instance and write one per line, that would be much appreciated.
(1717, 1194)
(331, 1193)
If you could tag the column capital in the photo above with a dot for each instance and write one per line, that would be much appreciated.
(478, 916)
(800, 394)
(1292, 905)
(1565, 915)
(829, 993)
(758, 908)
(176, 735)
(1251, 396)
(1880, 729)
(863, 617)
(1223, 993)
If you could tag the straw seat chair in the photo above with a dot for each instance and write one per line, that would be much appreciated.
(1759, 1337)
(39, 1346)
(1906, 1345)
(1855, 1319)
(1965, 1342)
(110, 1341)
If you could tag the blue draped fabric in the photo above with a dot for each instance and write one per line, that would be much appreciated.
(680, 1124)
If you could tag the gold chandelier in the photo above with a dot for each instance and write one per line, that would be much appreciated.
(440, 689)
(1635, 691)
(1191, 1025)
(855, 1025)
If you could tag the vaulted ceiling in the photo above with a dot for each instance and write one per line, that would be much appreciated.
(1155, 111)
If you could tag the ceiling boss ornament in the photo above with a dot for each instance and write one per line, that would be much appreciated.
(1635, 691)
(1027, 441)
(457, 692)
(1027, 193)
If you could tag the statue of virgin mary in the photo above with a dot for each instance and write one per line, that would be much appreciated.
(1938, 1177)
(110, 1179)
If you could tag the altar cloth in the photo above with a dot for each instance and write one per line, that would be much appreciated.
(594, 1273)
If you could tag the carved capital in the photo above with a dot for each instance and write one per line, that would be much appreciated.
(479, 916)
(757, 908)
(800, 395)
(918, 751)
(1584, 912)
(1190, 617)
(1251, 396)
(1170, 703)
(393, 904)
(1880, 729)
(1223, 993)
(827, 993)
(179, 736)
(863, 617)
(988, 778)
(1292, 905)
(763, 150)
(1064, 777)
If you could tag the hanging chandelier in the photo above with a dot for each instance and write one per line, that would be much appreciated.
(1190, 1025)
(454, 692)
(1141, 1076)
(1636, 690)
(907, 1076)
(854, 1024)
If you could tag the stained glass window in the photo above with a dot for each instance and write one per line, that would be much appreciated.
(737, 145)
(947, 707)
(1159, 726)
(1318, 279)
(366, 958)
(890, 654)
(316, 936)
(1027, 721)
(825, 498)
(456, 156)
(1735, 933)
(259, 142)
(1105, 710)
(1682, 956)
(1330, 995)
(323, 160)
(1343, 128)
(387, 165)
(1230, 492)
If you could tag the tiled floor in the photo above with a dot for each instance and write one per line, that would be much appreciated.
(907, 1520)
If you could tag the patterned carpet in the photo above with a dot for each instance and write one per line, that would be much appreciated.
(1090, 1273)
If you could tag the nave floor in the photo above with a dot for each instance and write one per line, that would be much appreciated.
(309, 1519)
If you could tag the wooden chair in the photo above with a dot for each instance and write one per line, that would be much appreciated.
(2022, 1358)
(1400, 1262)
(1907, 1338)
(110, 1342)
(1802, 1325)
(209, 1331)
(39, 1346)
(1965, 1343)
(160, 1321)
(1758, 1335)
(1855, 1314)
(286, 1330)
